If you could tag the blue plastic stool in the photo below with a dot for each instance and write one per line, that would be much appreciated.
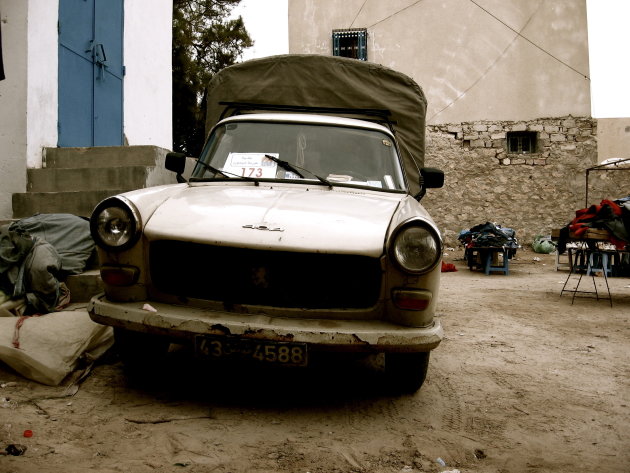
(504, 267)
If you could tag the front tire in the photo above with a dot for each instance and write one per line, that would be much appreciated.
(405, 372)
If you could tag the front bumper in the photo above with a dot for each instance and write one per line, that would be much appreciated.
(181, 322)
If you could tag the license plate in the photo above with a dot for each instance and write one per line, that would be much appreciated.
(282, 353)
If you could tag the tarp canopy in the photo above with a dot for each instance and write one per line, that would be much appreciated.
(328, 82)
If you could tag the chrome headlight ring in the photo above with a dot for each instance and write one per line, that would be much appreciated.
(416, 247)
(115, 224)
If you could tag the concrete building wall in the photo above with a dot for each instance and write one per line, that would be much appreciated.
(148, 102)
(42, 72)
(614, 138)
(501, 60)
(13, 92)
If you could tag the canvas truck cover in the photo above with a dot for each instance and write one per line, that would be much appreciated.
(327, 82)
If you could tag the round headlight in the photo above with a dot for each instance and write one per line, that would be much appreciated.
(416, 248)
(115, 224)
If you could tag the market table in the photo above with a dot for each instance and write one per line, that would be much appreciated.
(592, 255)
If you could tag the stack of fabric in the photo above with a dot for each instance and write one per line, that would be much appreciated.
(489, 235)
(611, 215)
(36, 254)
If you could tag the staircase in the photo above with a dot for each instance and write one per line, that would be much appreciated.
(75, 180)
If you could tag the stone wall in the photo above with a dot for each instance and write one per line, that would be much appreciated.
(531, 193)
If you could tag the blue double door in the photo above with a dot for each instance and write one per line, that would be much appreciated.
(90, 73)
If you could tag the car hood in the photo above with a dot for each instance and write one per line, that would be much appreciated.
(279, 217)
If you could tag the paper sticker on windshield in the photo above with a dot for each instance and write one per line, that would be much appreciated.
(387, 143)
(251, 165)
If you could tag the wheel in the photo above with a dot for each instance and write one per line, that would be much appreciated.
(405, 372)
(141, 353)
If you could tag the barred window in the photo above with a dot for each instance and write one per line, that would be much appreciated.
(521, 142)
(350, 43)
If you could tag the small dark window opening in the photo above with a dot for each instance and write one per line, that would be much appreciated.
(349, 46)
(521, 142)
(350, 43)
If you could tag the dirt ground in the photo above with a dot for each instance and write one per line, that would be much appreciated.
(525, 381)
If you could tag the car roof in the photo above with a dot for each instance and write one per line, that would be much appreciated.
(307, 118)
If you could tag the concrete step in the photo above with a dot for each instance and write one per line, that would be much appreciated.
(79, 203)
(84, 179)
(74, 180)
(85, 285)
(103, 156)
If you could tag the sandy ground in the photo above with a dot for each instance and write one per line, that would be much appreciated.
(525, 381)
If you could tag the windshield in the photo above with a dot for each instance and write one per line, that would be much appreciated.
(305, 152)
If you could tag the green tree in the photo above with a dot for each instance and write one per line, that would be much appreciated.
(205, 41)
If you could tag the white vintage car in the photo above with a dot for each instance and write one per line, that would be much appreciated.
(297, 233)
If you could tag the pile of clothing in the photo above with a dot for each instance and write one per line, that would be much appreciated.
(36, 254)
(611, 215)
(489, 235)
(39, 339)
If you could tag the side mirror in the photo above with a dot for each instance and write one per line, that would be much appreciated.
(430, 178)
(176, 162)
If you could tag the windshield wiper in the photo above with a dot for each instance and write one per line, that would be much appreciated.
(323, 181)
(285, 165)
(211, 168)
(227, 174)
(294, 169)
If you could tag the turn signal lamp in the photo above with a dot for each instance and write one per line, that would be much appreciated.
(119, 275)
(411, 299)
